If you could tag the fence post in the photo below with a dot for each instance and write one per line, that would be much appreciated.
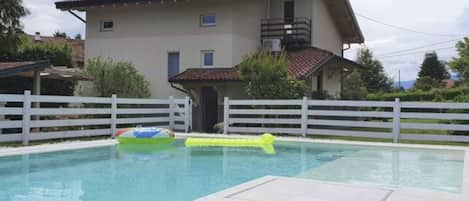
(226, 115)
(396, 121)
(26, 117)
(113, 115)
(171, 112)
(186, 114)
(304, 116)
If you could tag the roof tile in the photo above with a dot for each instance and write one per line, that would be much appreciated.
(300, 63)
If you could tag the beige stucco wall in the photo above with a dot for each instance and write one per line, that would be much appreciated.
(144, 34)
(325, 34)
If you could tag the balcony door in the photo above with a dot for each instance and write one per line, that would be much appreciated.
(288, 11)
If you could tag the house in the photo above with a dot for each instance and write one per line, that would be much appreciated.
(192, 46)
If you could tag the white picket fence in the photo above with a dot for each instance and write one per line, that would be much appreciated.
(85, 116)
(371, 119)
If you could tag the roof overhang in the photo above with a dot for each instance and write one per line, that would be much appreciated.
(346, 21)
(81, 5)
(8, 69)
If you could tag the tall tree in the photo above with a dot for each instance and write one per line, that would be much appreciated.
(10, 13)
(433, 68)
(460, 64)
(372, 72)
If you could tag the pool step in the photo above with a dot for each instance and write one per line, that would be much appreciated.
(271, 188)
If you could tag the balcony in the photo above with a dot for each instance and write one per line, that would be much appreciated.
(292, 32)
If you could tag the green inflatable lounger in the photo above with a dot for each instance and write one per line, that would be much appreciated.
(265, 142)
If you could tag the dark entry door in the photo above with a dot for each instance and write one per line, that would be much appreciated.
(288, 11)
(209, 99)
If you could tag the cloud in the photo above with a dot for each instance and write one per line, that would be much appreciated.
(45, 18)
(423, 15)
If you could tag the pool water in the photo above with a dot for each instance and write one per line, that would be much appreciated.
(176, 173)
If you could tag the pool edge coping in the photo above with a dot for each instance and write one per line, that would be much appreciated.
(61, 146)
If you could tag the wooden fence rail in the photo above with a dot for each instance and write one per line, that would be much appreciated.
(38, 117)
(371, 119)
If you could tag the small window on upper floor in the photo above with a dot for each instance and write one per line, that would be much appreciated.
(207, 58)
(208, 20)
(107, 25)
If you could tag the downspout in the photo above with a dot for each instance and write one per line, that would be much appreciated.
(180, 89)
(342, 69)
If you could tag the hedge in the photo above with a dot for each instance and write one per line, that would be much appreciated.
(460, 94)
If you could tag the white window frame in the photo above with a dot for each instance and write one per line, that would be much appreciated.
(202, 57)
(202, 24)
(101, 26)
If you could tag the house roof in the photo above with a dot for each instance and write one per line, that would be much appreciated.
(8, 69)
(207, 74)
(301, 63)
(77, 46)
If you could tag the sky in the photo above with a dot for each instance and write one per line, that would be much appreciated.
(445, 20)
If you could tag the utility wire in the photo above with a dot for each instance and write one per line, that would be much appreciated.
(416, 52)
(405, 28)
(418, 47)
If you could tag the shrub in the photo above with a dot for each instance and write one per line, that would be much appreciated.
(418, 95)
(120, 78)
(267, 77)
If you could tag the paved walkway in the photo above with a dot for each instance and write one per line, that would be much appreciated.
(271, 188)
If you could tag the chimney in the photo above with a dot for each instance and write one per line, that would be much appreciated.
(37, 37)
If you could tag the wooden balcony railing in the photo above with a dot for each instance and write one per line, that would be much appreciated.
(292, 32)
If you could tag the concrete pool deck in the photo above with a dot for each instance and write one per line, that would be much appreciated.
(294, 189)
(272, 188)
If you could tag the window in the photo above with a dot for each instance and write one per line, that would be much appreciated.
(208, 20)
(207, 57)
(173, 64)
(107, 25)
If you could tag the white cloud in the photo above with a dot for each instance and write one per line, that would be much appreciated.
(45, 18)
(423, 15)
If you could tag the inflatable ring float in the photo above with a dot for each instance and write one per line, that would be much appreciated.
(145, 135)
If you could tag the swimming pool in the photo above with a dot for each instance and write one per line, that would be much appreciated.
(179, 173)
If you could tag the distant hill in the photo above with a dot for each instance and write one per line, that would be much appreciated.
(407, 84)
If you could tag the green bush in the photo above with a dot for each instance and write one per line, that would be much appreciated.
(267, 77)
(120, 78)
(418, 95)
(58, 55)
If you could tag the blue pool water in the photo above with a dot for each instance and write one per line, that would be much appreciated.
(177, 173)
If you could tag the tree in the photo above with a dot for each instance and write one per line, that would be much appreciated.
(78, 37)
(59, 34)
(354, 87)
(433, 68)
(460, 64)
(427, 83)
(372, 72)
(57, 54)
(267, 77)
(120, 78)
(10, 13)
